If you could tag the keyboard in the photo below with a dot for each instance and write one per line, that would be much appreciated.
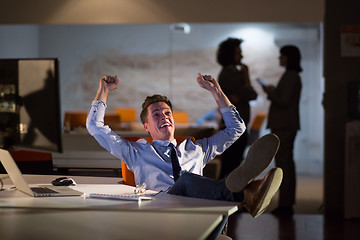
(127, 197)
(42, 190)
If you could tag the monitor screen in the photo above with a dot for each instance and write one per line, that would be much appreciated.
(30, 115)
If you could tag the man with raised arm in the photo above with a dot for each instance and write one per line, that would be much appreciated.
(177, 169)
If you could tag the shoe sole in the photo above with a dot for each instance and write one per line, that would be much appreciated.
(272, 185)
(259, 157)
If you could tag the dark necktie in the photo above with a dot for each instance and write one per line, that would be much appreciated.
(174, 162)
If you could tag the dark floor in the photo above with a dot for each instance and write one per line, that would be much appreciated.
(308, 222)
(300, 227)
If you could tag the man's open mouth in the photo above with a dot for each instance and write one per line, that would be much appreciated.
(165, 125)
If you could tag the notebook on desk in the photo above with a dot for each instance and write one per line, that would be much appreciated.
(39, 191)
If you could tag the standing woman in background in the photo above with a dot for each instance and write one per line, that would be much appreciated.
(234, 80)
(283, 120)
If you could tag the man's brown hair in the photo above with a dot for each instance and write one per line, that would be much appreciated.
(150, 100)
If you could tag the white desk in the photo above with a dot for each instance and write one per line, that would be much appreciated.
(162, 202)
(28, 224)
(169, 216)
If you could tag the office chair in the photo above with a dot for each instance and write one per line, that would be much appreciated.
(77, 119)
(127, 115)
(255, 127)
(181, 117)
(32, 162)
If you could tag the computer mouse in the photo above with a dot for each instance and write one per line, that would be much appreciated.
(63, 181)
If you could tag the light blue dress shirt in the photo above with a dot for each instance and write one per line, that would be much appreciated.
(151, 163)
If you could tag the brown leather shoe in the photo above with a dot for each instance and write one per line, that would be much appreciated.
(258, 193)
(257, 159)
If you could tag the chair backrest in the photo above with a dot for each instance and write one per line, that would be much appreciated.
(258, 120)
(32, 162)
(127, 175)
(75, 119)
(255, 127)
(126, 114)
(181, 117)
(113, 120)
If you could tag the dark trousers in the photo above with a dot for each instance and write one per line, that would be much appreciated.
(284, 159)
(234, 155)
(196, 186)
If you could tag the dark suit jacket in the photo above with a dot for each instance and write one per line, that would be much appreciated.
(231, 82)
(285, 99)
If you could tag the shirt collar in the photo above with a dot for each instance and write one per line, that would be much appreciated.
(165, 143)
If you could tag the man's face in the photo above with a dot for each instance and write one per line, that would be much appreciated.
(160, 122)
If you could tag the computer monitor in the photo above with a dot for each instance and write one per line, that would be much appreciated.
(30, 115)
